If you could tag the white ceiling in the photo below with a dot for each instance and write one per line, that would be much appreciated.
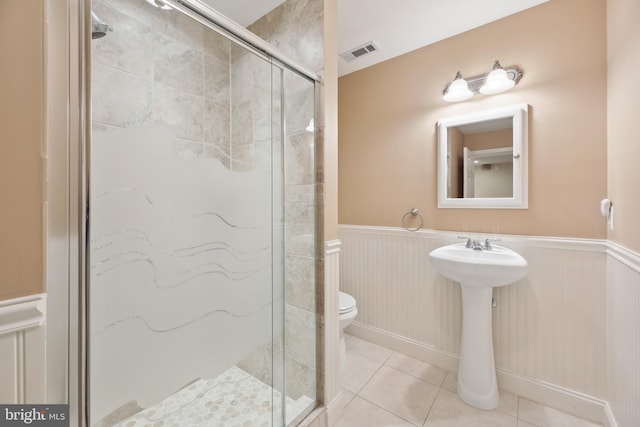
(396, 26)
(400, 26)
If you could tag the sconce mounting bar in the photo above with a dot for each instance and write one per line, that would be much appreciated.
(474, 82)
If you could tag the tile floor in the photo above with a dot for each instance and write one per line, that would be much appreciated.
(388, 389)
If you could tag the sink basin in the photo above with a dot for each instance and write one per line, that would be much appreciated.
(478, 272)
(490, 268)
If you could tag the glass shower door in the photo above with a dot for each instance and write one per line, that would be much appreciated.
(186, 250)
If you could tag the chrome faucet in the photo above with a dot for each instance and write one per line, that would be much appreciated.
(477, 245)
(473, 244)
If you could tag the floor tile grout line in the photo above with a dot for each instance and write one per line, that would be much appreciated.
(389, 412)
(411, 375)
(371, 358)
(393, 413)
(431, 407)
(357, 392)
(369, 380)
(384, 364)
(403, 372)
(420, 378)
(440, 389)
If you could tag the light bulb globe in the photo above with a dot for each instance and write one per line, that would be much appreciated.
(496, 82)
(457, 91)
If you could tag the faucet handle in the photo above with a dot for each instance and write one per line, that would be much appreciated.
(469, 243)
(488, 240)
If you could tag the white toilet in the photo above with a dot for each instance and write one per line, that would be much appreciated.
(348, 312)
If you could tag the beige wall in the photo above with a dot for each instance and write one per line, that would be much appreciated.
(486, 140)
(21, 165)
(388, 116)
(623, 49)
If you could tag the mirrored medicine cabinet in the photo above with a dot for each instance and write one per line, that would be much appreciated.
(482, 159)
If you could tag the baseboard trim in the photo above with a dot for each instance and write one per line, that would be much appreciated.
(336, 408)
(566, 400)
(405, 345)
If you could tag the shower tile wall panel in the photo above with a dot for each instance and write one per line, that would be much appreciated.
(623, 336)
(549, 326)
(295, 28)
(166, 69)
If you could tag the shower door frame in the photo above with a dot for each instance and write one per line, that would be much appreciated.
(68, 189)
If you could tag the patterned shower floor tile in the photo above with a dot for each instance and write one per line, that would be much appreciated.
(232, 399)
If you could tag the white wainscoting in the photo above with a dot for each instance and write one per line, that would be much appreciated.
(22, 350)
(623, 336)
(333, 397)
(549, 328)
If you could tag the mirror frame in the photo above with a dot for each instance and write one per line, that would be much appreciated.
(519, 114)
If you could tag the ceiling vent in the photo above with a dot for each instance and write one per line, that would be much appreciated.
(359, 51)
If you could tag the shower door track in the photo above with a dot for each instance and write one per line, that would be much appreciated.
(201, 12)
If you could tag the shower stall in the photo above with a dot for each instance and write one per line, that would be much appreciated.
(201, 235)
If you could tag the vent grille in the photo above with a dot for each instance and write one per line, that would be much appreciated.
(359, 51)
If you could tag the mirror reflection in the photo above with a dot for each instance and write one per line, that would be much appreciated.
(480, 159)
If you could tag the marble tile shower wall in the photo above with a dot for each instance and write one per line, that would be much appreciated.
(159, 66)
(295, 28)
(255, 111)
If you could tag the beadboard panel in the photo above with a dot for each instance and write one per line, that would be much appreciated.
(332, 394)
(386, 273)
(623, 336)
(549, 326)
(22, 350)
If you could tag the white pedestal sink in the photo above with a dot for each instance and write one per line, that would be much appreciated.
(478, 272)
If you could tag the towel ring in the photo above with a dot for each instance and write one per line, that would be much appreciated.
(412, 212)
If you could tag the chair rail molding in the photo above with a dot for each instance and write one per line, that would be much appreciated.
(22, 313)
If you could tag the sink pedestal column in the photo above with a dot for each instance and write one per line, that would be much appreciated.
(477, 383)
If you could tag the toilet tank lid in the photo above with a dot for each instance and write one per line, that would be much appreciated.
(346, 302)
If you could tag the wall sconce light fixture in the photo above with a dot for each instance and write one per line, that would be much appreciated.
(497, 80)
